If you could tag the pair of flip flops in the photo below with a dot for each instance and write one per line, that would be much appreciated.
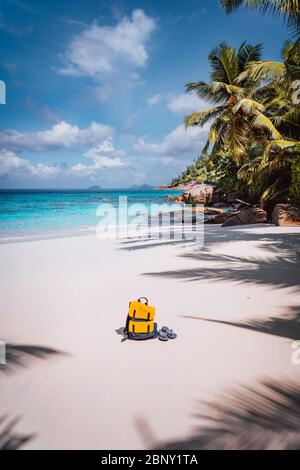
(166, 333)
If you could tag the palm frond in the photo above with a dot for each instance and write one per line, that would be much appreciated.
(248, 106)
(247, 54)
(262, 121)
(266, 70)
(288, 9)
(208, 92)
(274, 191)
(282, 144)
(201, 118)
(223, 60)
(230, 89)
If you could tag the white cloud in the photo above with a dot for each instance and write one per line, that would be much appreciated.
(43, 170)
(99, 163)
(60, 136)
(106, 147)
(182, 103)
(185, 103)
(12, 165)
(10, 162)
(100, 50)
(180, 141)
(103, 156)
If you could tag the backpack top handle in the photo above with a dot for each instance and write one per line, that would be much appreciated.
(145, 298)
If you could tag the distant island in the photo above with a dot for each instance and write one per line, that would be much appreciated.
(94, 188)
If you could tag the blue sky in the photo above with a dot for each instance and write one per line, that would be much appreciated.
(95, 89)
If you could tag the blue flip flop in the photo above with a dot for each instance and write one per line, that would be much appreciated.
(167, 333)
(171, 334)
(162, 335)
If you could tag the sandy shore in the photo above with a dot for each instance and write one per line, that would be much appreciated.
(72, 294)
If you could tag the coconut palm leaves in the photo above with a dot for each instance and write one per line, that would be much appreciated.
(270, 171)
(273, 167)
(281, 74)
(254, 119)
(288, 9)
(237, 114)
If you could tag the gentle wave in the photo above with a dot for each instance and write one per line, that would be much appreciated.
(32, 214)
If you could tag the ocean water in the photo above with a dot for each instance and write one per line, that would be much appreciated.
(30, 214)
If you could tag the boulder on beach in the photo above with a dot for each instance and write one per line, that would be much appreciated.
(175, 198)
(200, 194)
(253, 215)
(213, 211)
(230, 197)
(286, 215)
(221, 218)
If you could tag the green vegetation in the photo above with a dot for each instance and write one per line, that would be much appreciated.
(288, 9)
(295, 183)
(253, 141)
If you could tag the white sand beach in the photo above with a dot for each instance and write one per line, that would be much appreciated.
(72, 294)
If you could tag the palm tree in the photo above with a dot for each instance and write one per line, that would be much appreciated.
(273, 166)
(237, 117)
(255, 121)
(268, 172)
(287, 70)
(280, 88)
(288, 9)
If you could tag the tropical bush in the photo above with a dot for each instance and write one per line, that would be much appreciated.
(295, 183)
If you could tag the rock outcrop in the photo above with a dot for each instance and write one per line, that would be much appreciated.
(286, 215)
(253, 215)
(200, 194)
(219, 218)
(178, 187)
(222, 196)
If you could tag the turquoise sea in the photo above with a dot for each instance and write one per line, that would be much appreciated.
(30, 214)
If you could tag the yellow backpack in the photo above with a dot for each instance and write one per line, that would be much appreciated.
(140, 320)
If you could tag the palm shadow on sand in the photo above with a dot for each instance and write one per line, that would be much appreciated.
(279, 271)
(19, 356)
(22, 355)
(279, 266)
(286, 326)
(217, 235)
(266, 416)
